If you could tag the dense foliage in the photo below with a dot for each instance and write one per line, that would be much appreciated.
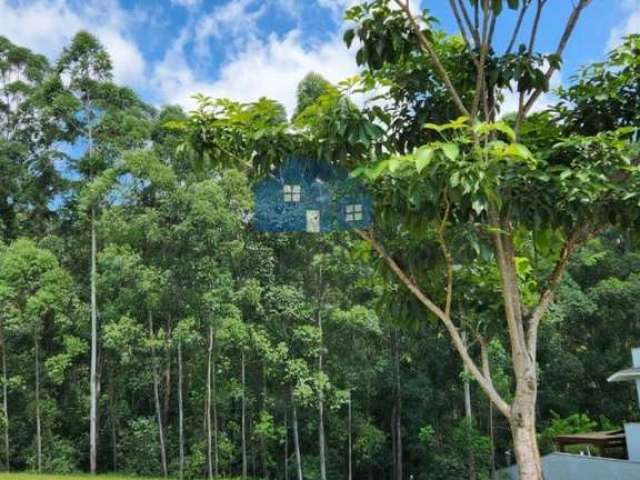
(218, 350)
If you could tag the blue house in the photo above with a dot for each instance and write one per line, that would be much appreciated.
(310, 196)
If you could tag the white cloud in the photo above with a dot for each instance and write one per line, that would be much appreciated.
(236, 21)
(631, 24)
(271, 68)
(46, 26)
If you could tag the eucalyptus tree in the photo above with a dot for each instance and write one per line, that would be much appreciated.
(471, 185)
(36, 293)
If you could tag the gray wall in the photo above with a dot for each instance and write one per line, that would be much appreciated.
(564, 466)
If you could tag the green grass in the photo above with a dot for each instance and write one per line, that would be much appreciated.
(75, 476)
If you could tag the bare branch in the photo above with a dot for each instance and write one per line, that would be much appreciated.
(428, 48)
(570, 26)
(467, 20)
(454, 333)
(484, 48)
(447, 256)
(484, 355)
(463, 31)
(516, 30)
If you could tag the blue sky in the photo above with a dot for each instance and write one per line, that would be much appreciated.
(243, 49)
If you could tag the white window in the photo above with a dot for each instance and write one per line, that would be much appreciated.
(354, 213)
(292, 193)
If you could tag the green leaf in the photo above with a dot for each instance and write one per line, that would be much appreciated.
(423, 157)
(519, 151)
(451, 150)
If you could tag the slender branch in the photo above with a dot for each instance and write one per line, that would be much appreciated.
(463, 31)
(516, 30)
(484, 47)
(428, 48)
(467, 20)
(484, 355)
(447, 256)
(570, 26)
(456, 338)
(578, 236)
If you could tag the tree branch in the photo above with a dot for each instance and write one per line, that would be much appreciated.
(456, 338)
(463, 32)
(467, 20)
(447, 256)
(484, 47)
(578, 236)
(428, 48)
(570, 26)
(516, 30)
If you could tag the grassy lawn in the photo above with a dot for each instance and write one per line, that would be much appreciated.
(34, 476)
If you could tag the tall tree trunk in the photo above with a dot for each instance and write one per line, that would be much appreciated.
(321, 435)
(208, 406)
(296, 436)
(214, 406)
(263, 446)
(38, 419)
(5, 399)
(93, 415)
(166, 407)
(180, 412)
(286, 445)
(243, 420)
(471, 461)
(114, 428)
(397, 417)
(156, 395)
(350, 441)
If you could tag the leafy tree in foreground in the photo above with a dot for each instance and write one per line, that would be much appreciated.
(478, 185)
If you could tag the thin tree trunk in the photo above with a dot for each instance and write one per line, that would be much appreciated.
(114, 429)
(350, 442)
(208, 406)
(397, 424)
(5, 399)
(214, 406)
(492, 440)
(296, 437)
(166, 407)
(471, 462)
(321, 435)
(156, 395)
(180, 412)
(244, 415)
(263, 446)
(38, 419)
(93, 415)
(286, 446)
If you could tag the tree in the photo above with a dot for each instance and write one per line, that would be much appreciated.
(35, 291)
(463, 182)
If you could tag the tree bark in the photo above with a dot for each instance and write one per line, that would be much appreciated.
(5, 399)
(93, 415)
(523, 431)
(286, 446)
(471, 462)
(349, 440)
(214, 406)
(38, 419)
(243, 421)
(296, 437)
(321, 435)
(397, 417)
(156, 395)
(208, 406)
(180, 412)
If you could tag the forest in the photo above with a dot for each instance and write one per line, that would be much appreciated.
(147, 326)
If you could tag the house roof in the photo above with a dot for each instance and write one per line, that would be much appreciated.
(626, 375)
